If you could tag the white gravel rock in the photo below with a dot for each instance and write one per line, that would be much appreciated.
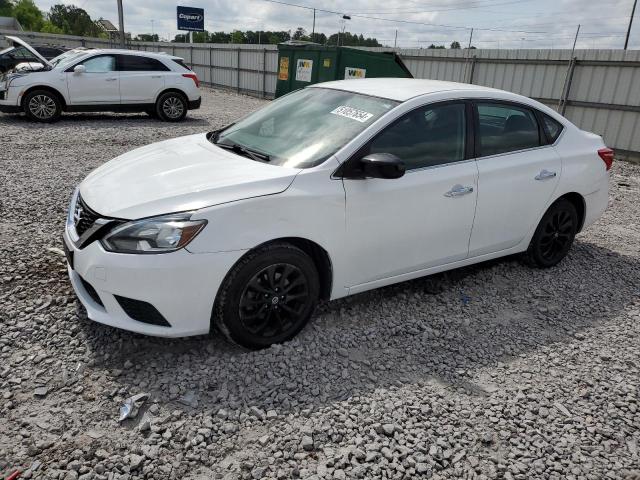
(492, 371)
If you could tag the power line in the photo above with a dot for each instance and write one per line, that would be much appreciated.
(398, 20)
(466, 7)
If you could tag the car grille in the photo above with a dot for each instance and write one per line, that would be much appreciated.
(83, 217)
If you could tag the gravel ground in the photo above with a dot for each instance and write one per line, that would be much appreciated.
(492, 371)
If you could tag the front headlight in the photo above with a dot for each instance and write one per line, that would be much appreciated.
(167, 233)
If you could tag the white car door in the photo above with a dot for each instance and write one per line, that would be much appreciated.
(98, 84)
(517, 175)
(423, 219)
(141, 78)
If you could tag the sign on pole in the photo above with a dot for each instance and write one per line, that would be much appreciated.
(191, 19)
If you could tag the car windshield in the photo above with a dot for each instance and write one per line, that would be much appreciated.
(2, 52)
(66, 56)
(304, 128)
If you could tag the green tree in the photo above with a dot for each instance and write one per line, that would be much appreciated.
(435, 47)
(455, 45)
(6, 8)
(48, 27)
(147, 37)
(348, 39)
(238, 37)
(200, 37)
(300, 34)
(72, 20)
(29, 16)
(320, 38)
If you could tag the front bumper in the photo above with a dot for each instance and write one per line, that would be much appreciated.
(181, 286)
(9, 108)
(10, 101)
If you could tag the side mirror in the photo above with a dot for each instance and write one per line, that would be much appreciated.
(79, 69)
(382, 165)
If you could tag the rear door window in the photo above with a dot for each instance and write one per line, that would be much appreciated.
(504, 127)
(136, 63)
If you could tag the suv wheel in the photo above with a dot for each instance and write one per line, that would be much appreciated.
(171, 107)
(42, 106)
(267, 297)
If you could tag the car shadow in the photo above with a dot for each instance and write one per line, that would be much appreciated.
(441, 329)
(103, 120)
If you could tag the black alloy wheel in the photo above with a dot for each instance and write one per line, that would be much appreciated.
(554, 236)
(267, 297)
(274, 300)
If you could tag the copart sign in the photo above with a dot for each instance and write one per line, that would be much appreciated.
(190, 18)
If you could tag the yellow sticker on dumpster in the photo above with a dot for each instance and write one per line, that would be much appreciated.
(353, 72)
(283, 73)
(327, 62)
(303, 70)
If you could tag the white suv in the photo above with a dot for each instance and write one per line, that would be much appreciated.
(101, 80)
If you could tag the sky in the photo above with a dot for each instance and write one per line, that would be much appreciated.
(419, 23)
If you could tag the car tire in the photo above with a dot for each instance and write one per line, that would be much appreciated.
(267, 297)
(553, 236)
(171, 107)
(42, 106)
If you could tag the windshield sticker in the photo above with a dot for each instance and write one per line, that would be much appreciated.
(352, 113)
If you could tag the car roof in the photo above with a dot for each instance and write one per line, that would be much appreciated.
(401, 89)
(134, 52)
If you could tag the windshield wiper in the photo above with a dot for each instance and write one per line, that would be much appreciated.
(247, 152)
(213, 136)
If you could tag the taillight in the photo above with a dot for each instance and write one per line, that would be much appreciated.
(193, 77)
(606, 154)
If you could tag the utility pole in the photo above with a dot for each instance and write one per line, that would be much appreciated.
(395, 40)
(121, 21)
(470, 37)
(313, 29)
(152, 32)
(633, 11)
(575, 40)
(564, 95)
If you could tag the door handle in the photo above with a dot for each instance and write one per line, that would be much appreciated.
(544, 174)
(113, 79)
(156, 76)
(458, 190)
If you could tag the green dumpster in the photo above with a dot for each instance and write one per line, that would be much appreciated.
(303, 63)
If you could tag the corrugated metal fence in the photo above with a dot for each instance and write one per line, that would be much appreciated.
(598, 90)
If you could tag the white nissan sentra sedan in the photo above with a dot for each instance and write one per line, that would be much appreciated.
(331, 190)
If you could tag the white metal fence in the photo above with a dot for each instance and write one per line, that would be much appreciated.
(598, 90)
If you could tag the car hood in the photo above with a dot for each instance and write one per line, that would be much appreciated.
(17, 41)
(177, 175)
